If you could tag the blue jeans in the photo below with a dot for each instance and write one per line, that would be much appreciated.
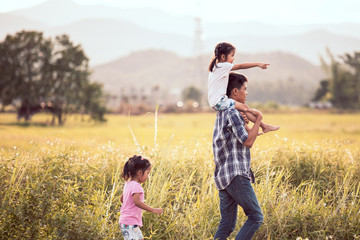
(239, 192)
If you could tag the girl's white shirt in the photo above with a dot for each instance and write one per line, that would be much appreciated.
(218, 82)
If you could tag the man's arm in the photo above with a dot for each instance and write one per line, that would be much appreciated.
(237, 125)
(249, 65)
(254, 131)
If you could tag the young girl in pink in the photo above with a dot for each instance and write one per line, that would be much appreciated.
(136, 171)
(219, 69)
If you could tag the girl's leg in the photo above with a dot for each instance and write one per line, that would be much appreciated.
(241, 106)
(265, 127)
(131, 232)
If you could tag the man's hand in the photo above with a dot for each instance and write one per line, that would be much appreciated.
(244, 117)
(254, 131)
(259, 116)
(263, 65)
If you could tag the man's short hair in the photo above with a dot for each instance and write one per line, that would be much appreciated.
(236, 80)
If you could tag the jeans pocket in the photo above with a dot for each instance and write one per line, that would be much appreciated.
(240, 182)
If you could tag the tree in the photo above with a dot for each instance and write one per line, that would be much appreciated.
(321, 92)
(191, 93)
(92, 98)
(34, 69)
(342, 87)
(354, 63)
(69, 76)
(24, 59)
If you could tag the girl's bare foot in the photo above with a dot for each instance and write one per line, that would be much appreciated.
(269, 128)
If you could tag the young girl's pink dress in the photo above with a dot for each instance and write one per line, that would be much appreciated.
(130, 213)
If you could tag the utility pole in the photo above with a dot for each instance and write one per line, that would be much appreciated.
(198, 69)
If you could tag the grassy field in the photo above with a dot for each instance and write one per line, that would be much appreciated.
(64, 182)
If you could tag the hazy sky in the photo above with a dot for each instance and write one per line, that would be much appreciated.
(267, 11)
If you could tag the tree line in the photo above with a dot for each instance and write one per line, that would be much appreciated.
(49, 74)
(342, 86)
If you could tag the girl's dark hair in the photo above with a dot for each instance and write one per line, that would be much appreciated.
(220, 49)
(236, 80)
(133, 165)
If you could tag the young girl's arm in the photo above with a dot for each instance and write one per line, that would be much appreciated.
(121, 198)
(140, 204)
(249, 65)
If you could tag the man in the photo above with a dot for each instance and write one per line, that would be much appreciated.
(232, 141)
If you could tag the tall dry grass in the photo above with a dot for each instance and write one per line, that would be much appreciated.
(63, 185)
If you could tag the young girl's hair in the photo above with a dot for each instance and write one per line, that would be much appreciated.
(133, 165)
(220, 49)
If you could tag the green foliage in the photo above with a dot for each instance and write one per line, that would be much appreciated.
(322, 91)
(34, 69)
(286, 91)
(342, 87)
(93, 101)
(24, 62)
(191, 93)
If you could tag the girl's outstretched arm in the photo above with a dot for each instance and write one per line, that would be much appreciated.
(249, 65)
(140, 204)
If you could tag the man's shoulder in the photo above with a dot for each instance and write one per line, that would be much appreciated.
(232, 112)
(225, 113)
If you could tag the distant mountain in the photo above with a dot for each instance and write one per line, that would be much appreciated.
(146, 69)
(55, 12)
(169, 71)
(62, 12)
(148, 47)
(107, 33)
(261, 29)
(11, 23)
(107, 39)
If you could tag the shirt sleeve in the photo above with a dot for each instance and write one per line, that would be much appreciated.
(136, 188)
(226, 68)
(237, 126)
